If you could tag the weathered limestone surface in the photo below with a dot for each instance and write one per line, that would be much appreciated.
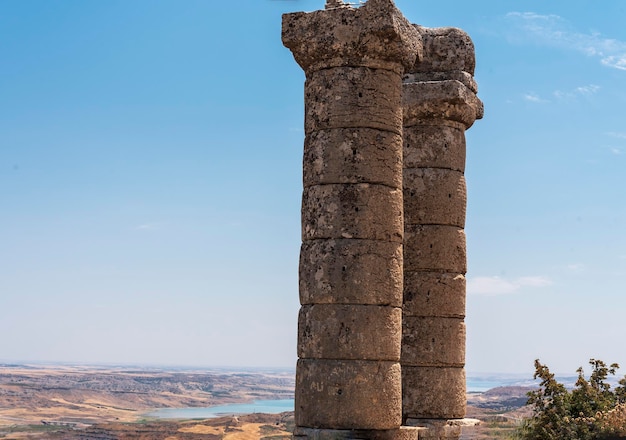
(434, 248)
(434, 391)
(446, 50)
(434, 294)
(331, 331)
(423, 101)
(437, 429)
(448, 53)
(369, 99)
(375, 35)
(358, 211)
(353, 155)
(403, 433)
(348, 379)
(426, 341)
(434, 196)
(439, 104)
(347, 271)
(348, 394)
(434, 144)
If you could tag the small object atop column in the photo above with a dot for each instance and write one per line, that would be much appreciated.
(333, 4)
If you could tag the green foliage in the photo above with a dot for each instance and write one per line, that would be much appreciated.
(620, 391)
(590, 411)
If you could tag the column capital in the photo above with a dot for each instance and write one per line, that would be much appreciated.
(448, 53)
(375, 35)
(445, 49)
(447, 100)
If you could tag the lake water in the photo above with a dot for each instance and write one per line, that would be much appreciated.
(258, 406)
(474, 384)
(482, 383)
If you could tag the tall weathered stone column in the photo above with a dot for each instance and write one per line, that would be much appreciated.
(440, 103)
(348, 379)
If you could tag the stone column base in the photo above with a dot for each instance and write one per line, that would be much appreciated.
(402, 433)
(441, 429)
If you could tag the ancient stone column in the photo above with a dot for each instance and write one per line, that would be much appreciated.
(440, 103)
(348, 379)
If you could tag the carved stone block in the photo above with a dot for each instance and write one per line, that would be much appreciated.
(342, 271)
(433, 393)
(435, 248)
(434, 196)
(348, 394)
(360, 211)
(434, 294)
(433, 341)
(332, 331)
(353, 155)
(346, 97)
(434, 146)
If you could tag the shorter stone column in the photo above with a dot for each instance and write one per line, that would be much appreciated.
(440, 103)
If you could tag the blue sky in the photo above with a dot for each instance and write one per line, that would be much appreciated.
(150, 179)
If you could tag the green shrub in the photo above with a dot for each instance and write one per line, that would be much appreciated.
(590, 411)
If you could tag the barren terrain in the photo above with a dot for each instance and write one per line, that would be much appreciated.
(78, 397)
(500, 411)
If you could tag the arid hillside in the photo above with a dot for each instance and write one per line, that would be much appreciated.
(86, 395)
